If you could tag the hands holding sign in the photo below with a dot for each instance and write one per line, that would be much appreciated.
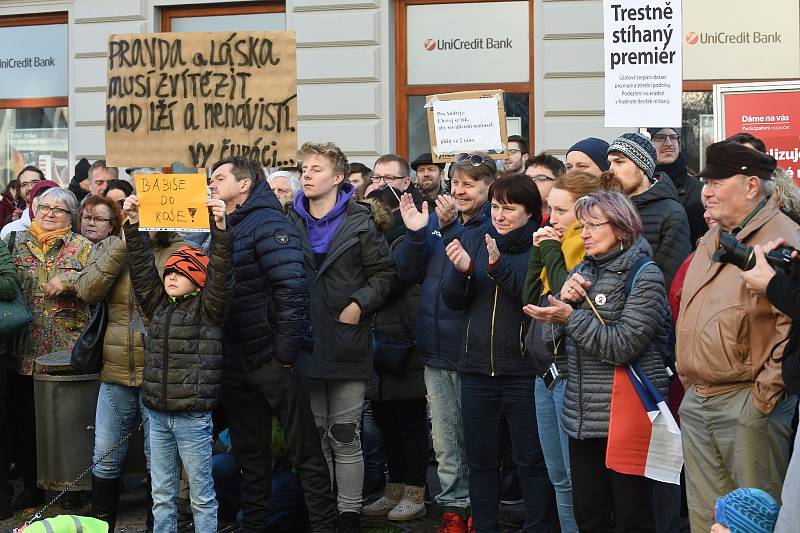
(216, 207)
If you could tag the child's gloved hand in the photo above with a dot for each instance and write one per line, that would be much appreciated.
(217, 209)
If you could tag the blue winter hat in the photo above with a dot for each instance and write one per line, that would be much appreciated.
(747, 511)
(596, 149)
(638, 149)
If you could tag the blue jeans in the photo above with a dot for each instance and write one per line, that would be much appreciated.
(118, 407)
(372, 446)
(188, 437)
(483, 399)
(444, 402)
(555, 447)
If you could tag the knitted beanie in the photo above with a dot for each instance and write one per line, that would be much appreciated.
(638, 149)
(596, 149)
(747, 511)
(190, 262)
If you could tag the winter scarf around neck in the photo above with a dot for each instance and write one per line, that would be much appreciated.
(47, 238)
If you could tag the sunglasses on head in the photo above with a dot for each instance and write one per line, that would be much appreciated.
(475, 160)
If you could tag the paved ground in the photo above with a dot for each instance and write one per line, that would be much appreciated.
(132, 513)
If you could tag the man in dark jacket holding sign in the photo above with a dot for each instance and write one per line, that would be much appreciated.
(262, 339)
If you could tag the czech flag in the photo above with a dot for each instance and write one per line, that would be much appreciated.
(643, 437)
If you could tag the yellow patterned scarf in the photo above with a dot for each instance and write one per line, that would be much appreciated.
(47, 238)
(573, 250)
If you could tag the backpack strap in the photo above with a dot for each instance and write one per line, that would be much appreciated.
(633, 273)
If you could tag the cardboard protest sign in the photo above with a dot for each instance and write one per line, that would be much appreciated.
(469, 121)
(172, 202)
(195, 98)
(643, 63)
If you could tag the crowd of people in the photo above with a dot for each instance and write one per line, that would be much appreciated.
(290, 365)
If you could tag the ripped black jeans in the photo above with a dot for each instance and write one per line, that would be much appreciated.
(337, 405)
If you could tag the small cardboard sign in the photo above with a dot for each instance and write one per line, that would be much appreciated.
(196, 98)
(172, 202)
(467, 122)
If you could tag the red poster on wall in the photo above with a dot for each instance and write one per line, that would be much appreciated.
(773, 117)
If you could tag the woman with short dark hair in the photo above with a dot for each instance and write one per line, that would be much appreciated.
(486, 279)
(98, 217)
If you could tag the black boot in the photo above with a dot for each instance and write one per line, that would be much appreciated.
(148, 491)
(105, 500)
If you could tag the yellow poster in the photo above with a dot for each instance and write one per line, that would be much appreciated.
(172, 202)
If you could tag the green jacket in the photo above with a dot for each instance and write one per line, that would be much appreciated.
(106, 277)
(9, 278)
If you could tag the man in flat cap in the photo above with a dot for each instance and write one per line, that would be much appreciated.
(429, 177)
(736, 415)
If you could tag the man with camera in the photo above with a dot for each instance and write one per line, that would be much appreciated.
(781, 285)
(736, 415)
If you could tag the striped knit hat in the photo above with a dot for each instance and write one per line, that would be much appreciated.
(638, 149)
(747, 511)
(190, 262)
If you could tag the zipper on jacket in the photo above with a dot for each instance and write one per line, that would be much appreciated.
(491, 337)
(469, 321)
(521, 343)
(131, 347)
(580, 397)
(166, 356)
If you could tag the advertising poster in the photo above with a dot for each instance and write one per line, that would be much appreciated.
(643, 64)
(773, 117)
(44, 148)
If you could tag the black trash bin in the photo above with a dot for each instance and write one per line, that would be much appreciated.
(65, 415)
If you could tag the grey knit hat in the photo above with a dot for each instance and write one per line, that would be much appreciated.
(638, 149)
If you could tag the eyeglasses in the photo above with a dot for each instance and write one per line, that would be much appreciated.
(475, 160)
(514, 151)
(662, 137)
(591, 227)
(57, 211)
(542, 177)
(378, 179)
(94, 220)
(28, 183)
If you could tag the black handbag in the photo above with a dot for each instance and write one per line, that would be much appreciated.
(87, 353)
(391, 353)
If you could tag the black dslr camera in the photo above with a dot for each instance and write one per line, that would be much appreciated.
(742, 256)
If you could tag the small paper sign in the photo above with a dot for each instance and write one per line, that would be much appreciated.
(471, 121)
(172, 202)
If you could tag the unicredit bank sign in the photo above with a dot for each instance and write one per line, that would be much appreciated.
(33, 61)
(740, 39)
(468, 43)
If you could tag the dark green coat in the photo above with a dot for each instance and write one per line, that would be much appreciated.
(357, 268)
(183, 355)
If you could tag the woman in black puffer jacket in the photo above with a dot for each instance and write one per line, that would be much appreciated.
(635, 329)
(486, 280)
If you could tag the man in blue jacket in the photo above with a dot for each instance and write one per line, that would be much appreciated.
(439, 329)
(264, 334)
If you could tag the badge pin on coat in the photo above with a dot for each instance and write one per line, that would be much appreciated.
(600, 299)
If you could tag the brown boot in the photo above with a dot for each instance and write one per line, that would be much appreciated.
(392, 495)
(411, 506)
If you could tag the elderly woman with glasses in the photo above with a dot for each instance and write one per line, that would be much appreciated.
(605, 327)
(48, 257)
(98, 217)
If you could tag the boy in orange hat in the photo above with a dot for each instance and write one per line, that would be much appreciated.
(182, 362)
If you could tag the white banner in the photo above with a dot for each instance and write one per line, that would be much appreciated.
(33, 61)
(643, 73)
